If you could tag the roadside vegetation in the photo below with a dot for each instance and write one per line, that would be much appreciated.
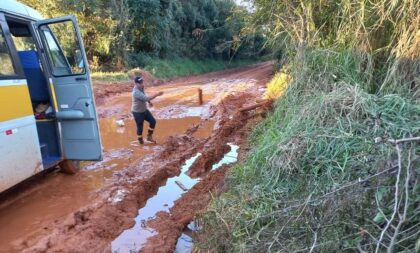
(175, 67)
(167, 38)
(334, 168)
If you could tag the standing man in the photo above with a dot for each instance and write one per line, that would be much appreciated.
(140, 111)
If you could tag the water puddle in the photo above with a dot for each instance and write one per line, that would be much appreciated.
(182, 111)
(121, 147)
(185, 243)
(187, 96)
(132, 240)
(55, 195)
(115, 137)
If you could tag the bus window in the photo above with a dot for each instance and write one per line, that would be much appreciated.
(60, 66)
(63, 49)
(6, 63)
(21, 35)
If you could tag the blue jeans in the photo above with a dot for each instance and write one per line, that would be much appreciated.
(140, 117)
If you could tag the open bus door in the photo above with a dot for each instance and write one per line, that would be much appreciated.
(70, 87)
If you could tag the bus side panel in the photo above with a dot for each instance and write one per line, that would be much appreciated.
(20, 154)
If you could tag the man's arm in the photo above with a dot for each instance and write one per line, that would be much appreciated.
(143, 97)
(155, 95)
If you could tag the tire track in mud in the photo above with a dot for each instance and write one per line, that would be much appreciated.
(170, 225)
(93, 228)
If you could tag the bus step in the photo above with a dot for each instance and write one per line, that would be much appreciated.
(44, 150)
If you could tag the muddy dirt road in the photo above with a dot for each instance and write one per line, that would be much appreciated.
(140, 198)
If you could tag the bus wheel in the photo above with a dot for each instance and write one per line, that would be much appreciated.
(69, 166)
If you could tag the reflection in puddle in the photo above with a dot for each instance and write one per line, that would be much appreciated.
(134, 238)
(185, 243)
(230, 157)
(121, 145)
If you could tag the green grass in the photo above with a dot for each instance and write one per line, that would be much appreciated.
(177, 67)
(169, 68)
(110, 76)
(321, 167)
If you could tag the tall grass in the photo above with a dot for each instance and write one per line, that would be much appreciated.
(384, 33)
(325, 173)
(322, 171)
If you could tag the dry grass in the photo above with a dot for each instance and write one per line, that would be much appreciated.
(278, 85)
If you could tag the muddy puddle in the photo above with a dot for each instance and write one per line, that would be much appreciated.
(132, 240)
(56, 195)
(27, 216)
(179, 101)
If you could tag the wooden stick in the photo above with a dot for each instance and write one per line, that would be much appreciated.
(200, 96)
(181, 186)
(252, 107)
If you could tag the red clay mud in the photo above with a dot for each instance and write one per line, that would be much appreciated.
(92, 228)
(169, 226)
(104, 89)
(112, 206)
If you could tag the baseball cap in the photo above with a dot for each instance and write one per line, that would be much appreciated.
(138, 79)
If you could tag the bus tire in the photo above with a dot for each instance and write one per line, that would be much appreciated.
(69, 166)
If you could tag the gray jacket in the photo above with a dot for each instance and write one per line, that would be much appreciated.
(140, 100)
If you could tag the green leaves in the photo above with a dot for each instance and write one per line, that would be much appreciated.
(380, 193)
(379, 218)
(115, 29)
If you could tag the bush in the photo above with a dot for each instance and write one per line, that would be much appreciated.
(323, 174)
(140, 59)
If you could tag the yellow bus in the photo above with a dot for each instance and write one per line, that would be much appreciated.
(47, 111)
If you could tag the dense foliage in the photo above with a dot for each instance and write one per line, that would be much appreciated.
(130, 33)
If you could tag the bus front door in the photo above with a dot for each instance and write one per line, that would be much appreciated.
(70, 87)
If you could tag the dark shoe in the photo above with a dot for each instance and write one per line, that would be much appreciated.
(150, 139)
(141, 141)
